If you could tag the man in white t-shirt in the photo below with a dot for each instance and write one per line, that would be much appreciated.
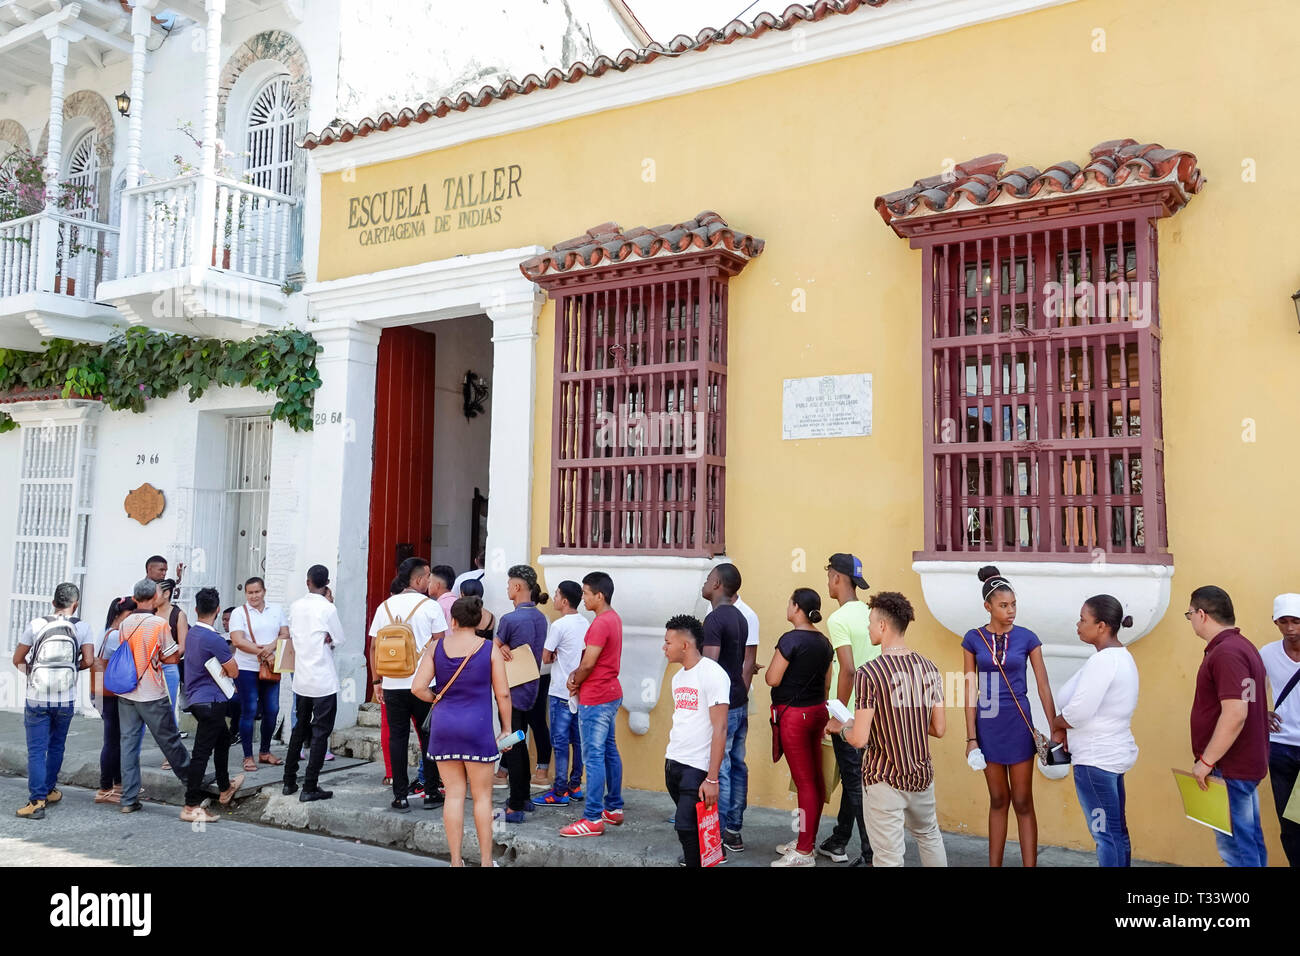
(563, 652)
(701, 699)
(255, 627)
(413, 607)
(317, 632)
(52, 652)
(1282, 663)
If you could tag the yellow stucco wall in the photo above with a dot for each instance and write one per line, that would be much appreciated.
(797, 159)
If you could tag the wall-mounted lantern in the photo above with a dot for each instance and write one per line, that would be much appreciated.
(123, 103)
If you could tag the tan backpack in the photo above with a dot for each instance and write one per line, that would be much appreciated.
(395, 651)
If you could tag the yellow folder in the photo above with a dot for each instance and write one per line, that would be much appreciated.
(1206, 807)
(1292, 811)
(522, 666)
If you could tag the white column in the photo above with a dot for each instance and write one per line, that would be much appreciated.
(338, 498)
(48, 228)
(514, 397)
(141, 25)
(207, 188)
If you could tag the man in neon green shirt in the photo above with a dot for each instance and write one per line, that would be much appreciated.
(850, 632)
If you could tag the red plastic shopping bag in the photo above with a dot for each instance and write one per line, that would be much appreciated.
(710, 828)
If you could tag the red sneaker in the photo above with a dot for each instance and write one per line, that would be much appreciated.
(612, 817)
(584, 828)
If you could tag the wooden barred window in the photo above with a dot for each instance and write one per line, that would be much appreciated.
(639, 431)
(1041, 382)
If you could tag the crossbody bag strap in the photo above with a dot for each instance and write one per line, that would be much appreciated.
(1006, 678)
(438, 696)
(1290, 685)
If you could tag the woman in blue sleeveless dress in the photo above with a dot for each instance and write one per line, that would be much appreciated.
(469, 671)
(1000, 653)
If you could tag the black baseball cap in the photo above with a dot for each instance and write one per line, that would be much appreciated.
(850, 567)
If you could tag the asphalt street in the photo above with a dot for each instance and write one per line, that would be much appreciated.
(79, 832)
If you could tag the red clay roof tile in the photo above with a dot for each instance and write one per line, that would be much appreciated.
(1113, 164)
(608, 244)
(792, 16)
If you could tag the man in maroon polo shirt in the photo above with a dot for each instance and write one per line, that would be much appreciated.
(1230, 722)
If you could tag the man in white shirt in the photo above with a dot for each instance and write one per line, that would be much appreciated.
(563, 652)
(317, 632)
(1282, 663)
(424, 616)
(701, 700)
(255, 627)
(63, 648)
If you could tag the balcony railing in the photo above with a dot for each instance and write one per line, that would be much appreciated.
(85, 254)
(251, 229)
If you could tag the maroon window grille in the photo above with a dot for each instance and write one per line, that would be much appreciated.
(1042, 390)
(639, 431)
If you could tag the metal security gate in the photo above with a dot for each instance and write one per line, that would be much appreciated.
(54, 499)
(248, 491)
(222, 531)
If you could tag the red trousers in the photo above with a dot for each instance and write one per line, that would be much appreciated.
(801, 730)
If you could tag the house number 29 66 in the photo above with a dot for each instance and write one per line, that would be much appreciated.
(146, 459)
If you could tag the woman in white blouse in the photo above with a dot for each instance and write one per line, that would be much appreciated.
(1097, 707)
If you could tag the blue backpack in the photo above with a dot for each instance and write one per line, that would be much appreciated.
(120, 674)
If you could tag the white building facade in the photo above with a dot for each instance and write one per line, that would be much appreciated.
(195, 214)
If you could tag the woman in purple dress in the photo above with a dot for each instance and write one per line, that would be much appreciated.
(469, 671)
(999, 653)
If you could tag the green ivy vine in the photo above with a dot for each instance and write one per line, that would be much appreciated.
(140, 364)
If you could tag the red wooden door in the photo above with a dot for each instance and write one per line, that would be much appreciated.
(401, 483)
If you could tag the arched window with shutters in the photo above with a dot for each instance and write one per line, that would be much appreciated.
(269, 136)
(81, 171)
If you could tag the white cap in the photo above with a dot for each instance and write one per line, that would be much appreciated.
(1286, 605)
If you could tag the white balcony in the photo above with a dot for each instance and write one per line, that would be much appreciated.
(204, 255)
(51, 265)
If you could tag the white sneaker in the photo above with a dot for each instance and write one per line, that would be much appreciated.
(785, 848)
(795, 858)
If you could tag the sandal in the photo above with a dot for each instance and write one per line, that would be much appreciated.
(250, 765)
(270, 758)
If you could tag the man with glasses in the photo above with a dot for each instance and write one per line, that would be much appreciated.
(1229, 722)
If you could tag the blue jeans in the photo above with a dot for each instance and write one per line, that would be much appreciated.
(1101, 794)
(47, 731)
(250, 691)
(600, 754)
(733, 778)
(1246, 845)
(565, 732)
(172, 675)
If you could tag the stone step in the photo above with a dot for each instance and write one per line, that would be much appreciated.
(367, 717)
(364, 744)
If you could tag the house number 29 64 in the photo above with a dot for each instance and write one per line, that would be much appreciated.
(146, 459)
(332, 418)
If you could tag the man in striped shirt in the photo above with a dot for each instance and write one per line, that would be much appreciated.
(899, 707)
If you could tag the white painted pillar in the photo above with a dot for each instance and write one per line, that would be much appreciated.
(513, 311)
(202, 242)
(338, 497)
(141, 25)
(48, 228)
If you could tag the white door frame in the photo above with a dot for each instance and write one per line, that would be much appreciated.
(485, 283)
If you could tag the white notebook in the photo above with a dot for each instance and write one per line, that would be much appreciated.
(227, 685)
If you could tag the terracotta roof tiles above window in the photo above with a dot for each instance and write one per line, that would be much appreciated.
(1114, 164)
(792, 16)
(609, 243)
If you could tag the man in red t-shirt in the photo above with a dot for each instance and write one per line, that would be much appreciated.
(596, 683)
(1230, 722)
